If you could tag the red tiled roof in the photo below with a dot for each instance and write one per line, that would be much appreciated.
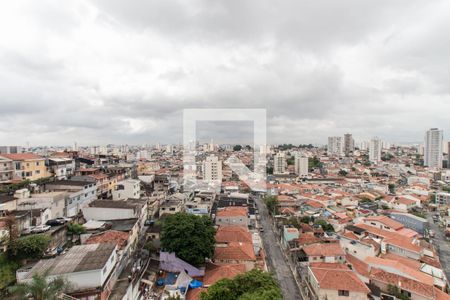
(227, 234)
(235, 251)
(386, 221)
(392, 238)
(307, 239)
(232, 211)
(331, 249)
(21, 156)
(406, 283)
(111, 236)
(335, 277)
(214, 273)
(358, 265)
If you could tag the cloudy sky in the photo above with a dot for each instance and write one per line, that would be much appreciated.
(115, 71)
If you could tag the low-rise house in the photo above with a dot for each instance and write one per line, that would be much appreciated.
(60, 167)
(413, 289)
(87, 267)
(289, 234)
(233, 215)
(358, 247)
(172, 204)
(330, 253)
(105, 210)
(55, 201)
(235, 253)
(393, 242)
(411, 221)
(383, 222)
(80, 194)
(335, 281)
(129, 188)
(214, 273)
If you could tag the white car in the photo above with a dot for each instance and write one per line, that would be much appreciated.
(40, 228)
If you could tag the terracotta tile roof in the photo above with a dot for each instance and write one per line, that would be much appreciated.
(386, 221)
(414, 264)
(22, 156)
(332, 249)
(440, 295)
(235, 251)
(227, 234)
(350, 235)
(406, 283)
(307, 239)
(214, 273)
(378, 262)
(334, 277)
(358, 265)
(392, 238)
(233, 211)
(111, 236)
(315, 204)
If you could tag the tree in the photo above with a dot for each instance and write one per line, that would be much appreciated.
(395, 291)
(391, 187)
(325, 225)
(342, 173)
(314, 163)
(191, 237)
(237, 148)
(28, 247)
(252, 285)
(41, 288)
(75, 229)
(272, 204)
(306, 219)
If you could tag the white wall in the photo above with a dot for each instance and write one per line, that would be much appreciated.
(105, 214)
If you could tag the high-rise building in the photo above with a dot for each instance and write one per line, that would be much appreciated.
(10, 149)
(301, 165)
(335, 146)
(432, 156)
(279, 163)
(349, 144)
(212, 168)
(375, 150)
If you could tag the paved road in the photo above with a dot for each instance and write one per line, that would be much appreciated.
(441, 244)
(275, 258)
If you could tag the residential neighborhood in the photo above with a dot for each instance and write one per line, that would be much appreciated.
(118, 224)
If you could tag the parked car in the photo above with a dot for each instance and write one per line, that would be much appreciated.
(40, 228)
(55, 222)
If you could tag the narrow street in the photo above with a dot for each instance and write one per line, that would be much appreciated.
(275, 259)
(441, 244)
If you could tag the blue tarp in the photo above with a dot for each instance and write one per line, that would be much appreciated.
(195, 284)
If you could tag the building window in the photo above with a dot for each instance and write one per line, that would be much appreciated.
(343, 293)
(104, 270)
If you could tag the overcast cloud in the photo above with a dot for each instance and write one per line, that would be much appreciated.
(115, 71)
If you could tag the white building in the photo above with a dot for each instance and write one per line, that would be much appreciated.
(375, 150)
(335, 146)
(212, 169)
(279, 163)
(129, 188)
(86, 267)
(433, 148)
(61, 167)
(301, 165)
